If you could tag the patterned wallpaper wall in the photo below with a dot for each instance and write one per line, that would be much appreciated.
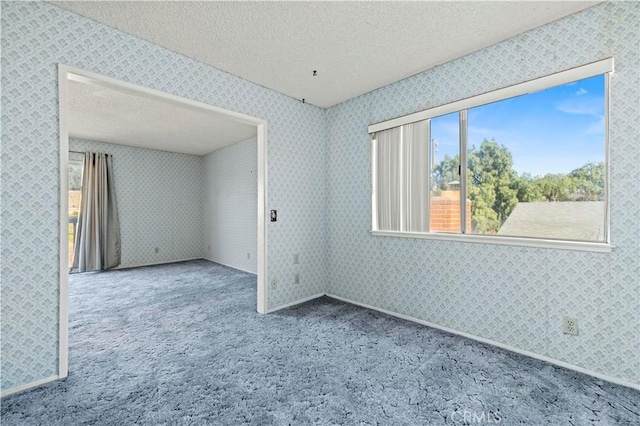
(319, 181)
(36, 37)
(231, 205)
(159, 197)
(513, 295)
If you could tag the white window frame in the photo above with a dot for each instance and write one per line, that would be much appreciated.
(603, 67)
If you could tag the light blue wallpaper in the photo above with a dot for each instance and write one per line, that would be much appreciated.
(159, 201)
(513, 295)
(36, 37)
(231, 205)
(319, 180)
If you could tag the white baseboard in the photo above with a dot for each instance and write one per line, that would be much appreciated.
(297, 302)
(498, 344)
(28, 386)
(407, 318)
(230, 266)
(164, 262)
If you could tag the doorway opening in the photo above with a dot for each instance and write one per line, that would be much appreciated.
(69, 195)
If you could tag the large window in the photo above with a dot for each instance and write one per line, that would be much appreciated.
(527, 163)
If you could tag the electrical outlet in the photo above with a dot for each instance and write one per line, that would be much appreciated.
(157, 250)
(209, 247)
(274, 284)
(297, 279)
(570, 326)
(248, 256)
(296, 259)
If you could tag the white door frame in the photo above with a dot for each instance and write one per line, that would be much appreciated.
(66, 73)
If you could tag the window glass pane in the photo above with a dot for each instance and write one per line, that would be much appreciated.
(536, 164)
(75, 192)
(445, 177)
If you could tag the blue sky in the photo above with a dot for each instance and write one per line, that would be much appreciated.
(552, 131)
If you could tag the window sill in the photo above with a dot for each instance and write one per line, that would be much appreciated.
(499, 240)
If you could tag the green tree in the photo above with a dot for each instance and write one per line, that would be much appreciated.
(75, 178)
(495, 189)
(446, 172)
(554, 187)
(527, 189)
(588, 182)
(491, 185)
(484, 218)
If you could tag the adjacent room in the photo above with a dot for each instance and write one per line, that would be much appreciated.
(320, 213)
(172, 166)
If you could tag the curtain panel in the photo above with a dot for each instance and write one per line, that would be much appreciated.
(402, 178)
(97, 242)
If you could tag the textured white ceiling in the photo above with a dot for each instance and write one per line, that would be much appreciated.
(109, 115)
(355, 46)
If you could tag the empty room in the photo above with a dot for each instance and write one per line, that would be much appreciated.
(320, 213)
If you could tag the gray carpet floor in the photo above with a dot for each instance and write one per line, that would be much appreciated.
(183, 344)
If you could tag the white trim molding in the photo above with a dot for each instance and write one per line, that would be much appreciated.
(165, 262)
(63, 273)
(28, 386)
(578, 73)
(495, 343)
(500, 240)
(297, 302)
(66, 73)
(262, 291)
(229, 266)
(603, 67)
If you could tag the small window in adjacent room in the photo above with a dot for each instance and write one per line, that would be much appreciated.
(75, 195)
(521, 163)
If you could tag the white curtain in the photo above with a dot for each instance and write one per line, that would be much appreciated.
(402, 178)
(97, 242)
(415, 176)
(388, 179)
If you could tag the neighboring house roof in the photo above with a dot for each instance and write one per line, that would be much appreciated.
(567, 220)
